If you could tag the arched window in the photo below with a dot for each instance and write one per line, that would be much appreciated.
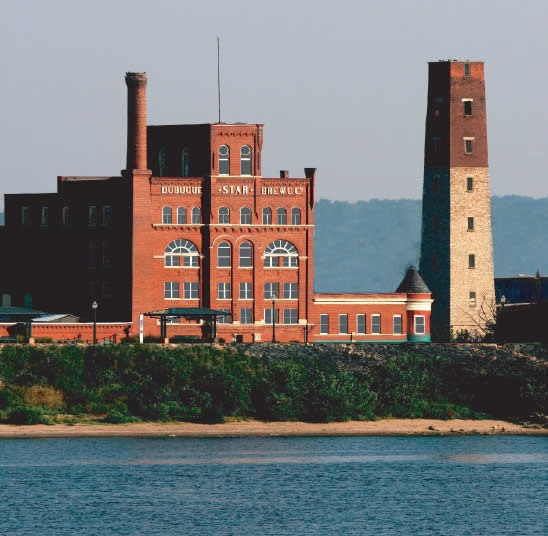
(224, 160)
(245, 216)
(281, 216)
(224, 215)
(267, 216)
(280, 253)
(166, 215)
(181, 249)
(185, 162)
(246, 255)
(295, 216)
(223, 255)
(181, 215)
(162, 161)
(196, 215)
(245, 160)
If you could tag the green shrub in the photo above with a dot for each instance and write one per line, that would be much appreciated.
(28, 415)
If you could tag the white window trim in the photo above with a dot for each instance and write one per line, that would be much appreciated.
(324, 332)
(423, 332)
(380, 324)
(401, 324)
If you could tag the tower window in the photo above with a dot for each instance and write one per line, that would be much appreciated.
(470, 223)
(467, 106)
(224, 160)
(471, 261)
(467, 70)
(295, 216)
(245, 160)
(162, 161)
(267, 216)
(472, 299)
(196, 215)
(281, 216)
(469, 184)
(167, 215)
(420, 325)
(245, 216)
(224, 215)
(468, 145)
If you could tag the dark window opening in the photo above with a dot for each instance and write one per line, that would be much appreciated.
(471, 261)
(467, 107)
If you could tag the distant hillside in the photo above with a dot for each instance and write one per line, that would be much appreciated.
(367, 245)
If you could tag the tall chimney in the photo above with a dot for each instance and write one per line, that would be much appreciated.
(136, 121)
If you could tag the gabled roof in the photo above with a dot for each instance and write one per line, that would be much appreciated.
(413, 283)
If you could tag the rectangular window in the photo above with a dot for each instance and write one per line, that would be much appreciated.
(436, 144)
(468, 145)
(107, 215)
(25, 215)
(289, 262)
(66, 215)
(223, 291)
(343, 323)
(191, 290)
(467, 106)
(472, 298)
(324, 324)
(106, 258)
(92, 215)
(171, 290)
(246, 315)
(268, 316)
(291, 316)
(420, 325)
(290, 291)
(470, 223)
(246, 291)
(469, 184)
(267, 216)
(271, 291)
(224, 319)
(471, 261)
(281, 216)
(44, 213)
(376, 324)
(467, 70)
(396, 325)
(360, 324)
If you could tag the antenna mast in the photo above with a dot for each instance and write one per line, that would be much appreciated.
(219, 76)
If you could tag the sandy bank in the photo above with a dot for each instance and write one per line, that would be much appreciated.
(265, 429)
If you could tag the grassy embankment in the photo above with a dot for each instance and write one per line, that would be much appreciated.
(204, 383)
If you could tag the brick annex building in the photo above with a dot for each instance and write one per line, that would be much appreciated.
(192, 224)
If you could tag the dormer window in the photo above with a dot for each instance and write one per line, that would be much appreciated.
(224, 160)
(245, 160)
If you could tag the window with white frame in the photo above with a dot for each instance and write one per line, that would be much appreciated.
(376, 324)
(360, 324)
(245, 216)
(223, 291)
(44, 216)
(246, 315)
(268, 315)
(280, 252)
(246, 255)
(224, 160)
(171, 290)
(291, 316)
(420, 325)
(246, 291)
(271, 291)
(291, 291)
(181, 252)
(472, 299)
(324, 324)
(223, 255)
(196, 215)
(467, 71)
(396, 325)
(468, 145)
(295, 216)
(467, 104)
(181, 215)
(343, 323)
(245, 160)
(92, 215)
(167, 217)
(185, 162)
(224, 319)
(281, 216)
(224, 215)
(267, 216)
(190, 289)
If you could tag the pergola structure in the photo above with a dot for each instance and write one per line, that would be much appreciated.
(190, 313)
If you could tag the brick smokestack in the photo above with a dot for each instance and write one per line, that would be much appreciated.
(136, 121)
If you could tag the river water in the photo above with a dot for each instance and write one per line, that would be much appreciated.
(468, 485)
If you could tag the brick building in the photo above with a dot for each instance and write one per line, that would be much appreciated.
(191, 224)
(457, 246)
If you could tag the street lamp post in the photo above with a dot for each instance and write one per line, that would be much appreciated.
(94, 306)
(273, 296)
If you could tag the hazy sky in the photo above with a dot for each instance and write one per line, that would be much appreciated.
(340, 86)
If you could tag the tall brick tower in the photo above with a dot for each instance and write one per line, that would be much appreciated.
(457, 247)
